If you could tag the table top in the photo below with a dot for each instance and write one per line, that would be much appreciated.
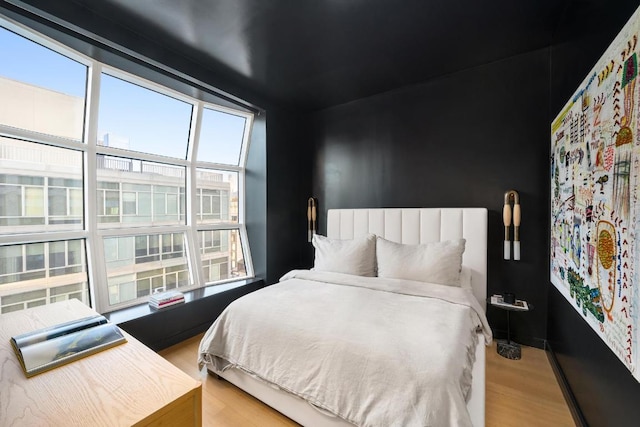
(121, 385)
(526, 306)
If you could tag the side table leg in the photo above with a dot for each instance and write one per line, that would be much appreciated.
(509, 349)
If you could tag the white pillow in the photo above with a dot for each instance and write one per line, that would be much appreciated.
(357, 256)
(438, 262)
(465, 278)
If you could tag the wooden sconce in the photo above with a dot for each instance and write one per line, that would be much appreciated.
(511, 196)
(311, 218)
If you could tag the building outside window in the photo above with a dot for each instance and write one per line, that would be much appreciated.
(111, 203)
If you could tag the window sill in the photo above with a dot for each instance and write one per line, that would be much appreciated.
(159, 329)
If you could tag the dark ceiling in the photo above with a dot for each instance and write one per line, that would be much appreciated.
(311, 54)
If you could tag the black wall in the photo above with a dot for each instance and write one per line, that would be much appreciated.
(605, 391)
(459, 141)
(463, 140)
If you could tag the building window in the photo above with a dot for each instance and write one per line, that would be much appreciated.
(139, 207)
(139, 192)
(222, 255)
(217, 196)
(140, 265)
(38, 273)
(40, 186)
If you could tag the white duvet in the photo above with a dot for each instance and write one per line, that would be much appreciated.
(373, 351)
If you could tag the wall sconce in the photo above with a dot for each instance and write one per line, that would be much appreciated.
(311, 218)
(510, 196)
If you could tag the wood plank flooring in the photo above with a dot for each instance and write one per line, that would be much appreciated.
(519, 393)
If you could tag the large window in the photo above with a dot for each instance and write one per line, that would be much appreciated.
(110, 199)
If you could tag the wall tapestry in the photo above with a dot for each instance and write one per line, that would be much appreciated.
(595, 212)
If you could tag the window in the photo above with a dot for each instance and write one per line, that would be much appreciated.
(140, 265)
(135, 197)
(47, 271)
(221, 137)
(35, 100)
(222, 255)
(217, 196)
(161, 124)
(40, 187)
(139, 192)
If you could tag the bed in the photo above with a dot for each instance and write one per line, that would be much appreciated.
(332, 348)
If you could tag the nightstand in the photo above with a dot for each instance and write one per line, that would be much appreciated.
(507, 348)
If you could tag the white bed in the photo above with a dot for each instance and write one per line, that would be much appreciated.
(406, 226)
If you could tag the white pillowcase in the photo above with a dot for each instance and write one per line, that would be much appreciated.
(465, 278)
(357, 256)
(438, 262)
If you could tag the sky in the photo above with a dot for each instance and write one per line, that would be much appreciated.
(150, 121)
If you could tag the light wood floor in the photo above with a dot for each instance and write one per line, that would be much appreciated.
(519, 393)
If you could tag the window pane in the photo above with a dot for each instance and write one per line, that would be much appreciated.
(57, 201)
(75, 252)
(57, 254)
(154, 244)
(129, 203)
(10, 261)
(139, 193)
(35, 256)
(138, 119)
(34, 282)
(159, 204)
(36, 98)
(148, 270)
(75, 202)
(222, 256)
(31, 172)
(144, 203)
(10, 200)
(34, 202)
(141, 245)
(221, 137)
(118, 251)
(217, 192)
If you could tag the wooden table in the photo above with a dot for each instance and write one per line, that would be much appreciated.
(125, 385)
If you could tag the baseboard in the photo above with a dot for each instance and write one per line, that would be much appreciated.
(572, 403)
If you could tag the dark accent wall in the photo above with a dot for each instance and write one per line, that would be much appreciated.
(459, 141)
(605, 391)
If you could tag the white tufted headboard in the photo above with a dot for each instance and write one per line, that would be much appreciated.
(414, 226)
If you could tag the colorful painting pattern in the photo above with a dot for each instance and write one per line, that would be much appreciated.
(595, 183)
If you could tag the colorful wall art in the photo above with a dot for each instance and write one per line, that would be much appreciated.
(595, 212)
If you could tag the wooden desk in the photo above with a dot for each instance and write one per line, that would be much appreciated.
(122, 386)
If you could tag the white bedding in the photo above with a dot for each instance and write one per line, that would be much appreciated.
(373, 351)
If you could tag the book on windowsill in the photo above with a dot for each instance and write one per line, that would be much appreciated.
(47, 348)
(166, 299)
(518, 305)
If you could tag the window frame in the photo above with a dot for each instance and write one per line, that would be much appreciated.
(91, 234)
